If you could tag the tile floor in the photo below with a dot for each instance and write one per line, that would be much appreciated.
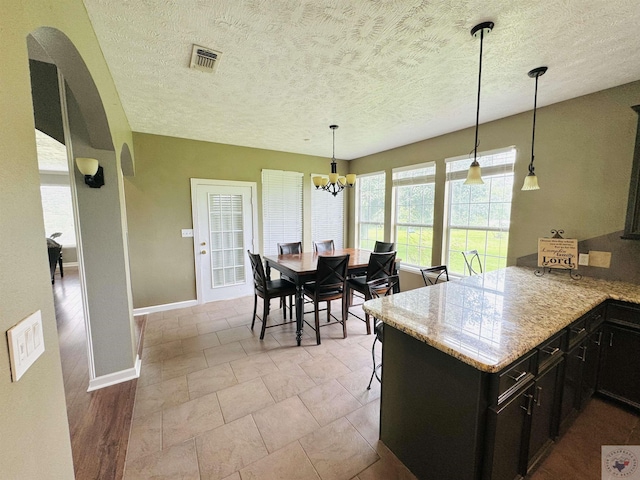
(215, 402)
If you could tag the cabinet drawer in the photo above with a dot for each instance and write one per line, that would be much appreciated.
(576, 332)
(595, 318)
(623, 314)
(549, 351)
(516, 375)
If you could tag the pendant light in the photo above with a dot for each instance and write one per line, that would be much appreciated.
(335, 183)
(531, 180)
(473, 176)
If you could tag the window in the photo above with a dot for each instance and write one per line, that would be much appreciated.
(327, 216)
(281, 208)
(478, 216)
(370, 213)
(58, 212)
(414, 193)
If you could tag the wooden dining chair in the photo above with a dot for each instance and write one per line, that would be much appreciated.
(381, 265)
(471, 258)
(380, 287)
(288, 249)
(433, 275)
(267, 289)
(382, 247)
(324, 246)
(330, 284)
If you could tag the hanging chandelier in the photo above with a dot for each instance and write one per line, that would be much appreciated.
(335, 183)
(473, 176)
(531, 180)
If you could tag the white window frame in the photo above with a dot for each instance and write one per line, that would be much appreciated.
(327, 215)
(358, 222)
(417, 179)
(487, 171)
(282, 208)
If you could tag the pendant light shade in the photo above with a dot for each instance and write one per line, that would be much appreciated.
(531, 180)
(335, 183)
(474, 177)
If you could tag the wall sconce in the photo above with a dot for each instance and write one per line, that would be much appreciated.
(91, 170)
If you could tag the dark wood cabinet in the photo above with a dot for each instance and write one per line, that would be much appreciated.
(571, 385)
(544, 413)
(507, 426)
(619, 375)
(591, 361)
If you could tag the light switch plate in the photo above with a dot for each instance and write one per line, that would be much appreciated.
(187, 232)
(26, 344)
(583, 259)
(599, 259)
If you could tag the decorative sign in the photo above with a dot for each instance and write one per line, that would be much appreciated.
(558, 252)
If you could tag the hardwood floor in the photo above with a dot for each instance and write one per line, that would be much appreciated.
(99, 421)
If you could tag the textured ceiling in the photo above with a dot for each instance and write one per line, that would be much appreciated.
(388, 72)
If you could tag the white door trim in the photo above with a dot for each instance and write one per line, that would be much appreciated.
(194, 212)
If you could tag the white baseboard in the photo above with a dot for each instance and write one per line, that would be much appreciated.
(116, 377)
(165, 307)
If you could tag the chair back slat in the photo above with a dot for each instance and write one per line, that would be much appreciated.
(380, 265)
(383, 247)
(289, 248)
(382, 287)
(472, 259)
(259, 277)
(324, 246)
(331, 273)
(433, 275)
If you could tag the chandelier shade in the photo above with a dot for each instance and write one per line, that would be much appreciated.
(335, 182)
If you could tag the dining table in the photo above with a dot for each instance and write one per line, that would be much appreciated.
(300, 268)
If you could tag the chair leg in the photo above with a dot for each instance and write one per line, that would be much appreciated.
(265, 314)
(367, 320)
(373, 357)
(283, 305)
(317, 319)
(345, 316)
(290, 307)
(328, 311)
(255, 309)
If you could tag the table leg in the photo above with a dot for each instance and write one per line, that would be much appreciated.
(299, 312)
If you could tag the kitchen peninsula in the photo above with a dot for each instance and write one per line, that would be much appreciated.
(482, 374)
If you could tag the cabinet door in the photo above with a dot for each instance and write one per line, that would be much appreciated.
(572, 382)
(507, 425)
(591, 360)
(619, 374)
(544, 413)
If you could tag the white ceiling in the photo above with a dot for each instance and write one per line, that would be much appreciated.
(388, 72)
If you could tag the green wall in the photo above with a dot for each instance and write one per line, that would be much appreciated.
(34, 434)
(583, 156)
(159, 206)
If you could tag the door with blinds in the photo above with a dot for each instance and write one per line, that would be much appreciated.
(223, 231)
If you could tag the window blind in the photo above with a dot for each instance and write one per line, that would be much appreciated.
(281, 208)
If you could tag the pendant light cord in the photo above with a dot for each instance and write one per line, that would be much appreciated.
(475, 145)
(533, 134)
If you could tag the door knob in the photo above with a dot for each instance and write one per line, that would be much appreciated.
(203, 252)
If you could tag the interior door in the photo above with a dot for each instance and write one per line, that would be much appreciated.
(223, 230)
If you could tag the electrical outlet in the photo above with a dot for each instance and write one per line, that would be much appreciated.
(26, 344)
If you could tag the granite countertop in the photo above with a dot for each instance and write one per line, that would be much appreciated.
(490, 320)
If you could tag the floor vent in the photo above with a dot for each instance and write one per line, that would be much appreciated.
(204, 59)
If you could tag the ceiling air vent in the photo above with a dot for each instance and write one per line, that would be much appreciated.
(204, 59)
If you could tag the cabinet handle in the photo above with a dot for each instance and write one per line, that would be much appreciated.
(519, 377)
(578, 331)
(529, 404)
(550, 351)
(611, 339)
(584, 354)
(599, 341)
(539, 392)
